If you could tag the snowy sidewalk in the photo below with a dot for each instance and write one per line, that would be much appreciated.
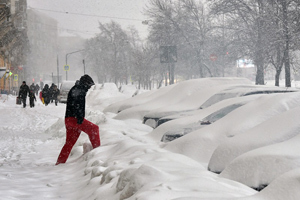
(27, 154)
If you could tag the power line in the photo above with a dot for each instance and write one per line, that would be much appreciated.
(54, 28)
(90, 15)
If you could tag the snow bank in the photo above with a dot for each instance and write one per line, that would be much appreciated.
(136, 100)
(102, 95)
(130, 90)
(134, 170)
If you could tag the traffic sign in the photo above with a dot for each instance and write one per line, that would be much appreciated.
(168, 54)
(15, 77)
(66, 67)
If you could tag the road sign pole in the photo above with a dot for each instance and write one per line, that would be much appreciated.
(67, 59)
(169, 69)
(67, 64)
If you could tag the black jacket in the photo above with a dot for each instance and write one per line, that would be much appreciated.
(55, 93)
(46, 92)
(32, 87)
(32, 95)
(76, 102)
(24, 90)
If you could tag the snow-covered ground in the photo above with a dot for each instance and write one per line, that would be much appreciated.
(254, 145)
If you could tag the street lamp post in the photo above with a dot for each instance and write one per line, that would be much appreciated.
(67, 59)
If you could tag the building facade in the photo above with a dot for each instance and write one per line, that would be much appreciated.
(13, 43)
(43, 41)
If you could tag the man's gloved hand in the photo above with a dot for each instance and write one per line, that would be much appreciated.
(79, 121)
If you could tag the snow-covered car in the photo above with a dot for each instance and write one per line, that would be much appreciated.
(183, 123)
(174, 134)
(270, 145)
(244, 90)
(159, 116)
(259, 167)
(183, 96)
(267, 133)
(64, 90)
(201, 143)
(213, 117)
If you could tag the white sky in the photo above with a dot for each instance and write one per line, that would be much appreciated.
(126, 13)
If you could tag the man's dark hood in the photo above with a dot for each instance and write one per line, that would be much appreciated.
(86, 81)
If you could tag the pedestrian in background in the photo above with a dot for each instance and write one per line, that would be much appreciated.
(55, 93)
(32, 98)
(51, 92)
(74, 118)
(46, 94)
(32, 87)
(24, 90)
(37, 88)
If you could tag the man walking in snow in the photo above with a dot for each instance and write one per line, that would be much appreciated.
(24, 90)
(55, 93)
(74, 118)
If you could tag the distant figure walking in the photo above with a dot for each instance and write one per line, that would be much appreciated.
(32, 98)
(32, 87)
(74, 118)
(46, 94)
(51, 92)
(24, 90)
(55, 93)
(37, 88)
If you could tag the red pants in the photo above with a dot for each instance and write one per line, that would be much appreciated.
(73, 133)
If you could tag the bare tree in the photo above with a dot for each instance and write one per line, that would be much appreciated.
(248, 19)
(189, 25)
(269, 29)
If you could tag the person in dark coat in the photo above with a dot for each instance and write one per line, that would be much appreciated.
(32, 98)
(37, 88)
(74, 118)
(55, 93)
(32, 87)
(46, 94)
(24, 90)
(51, 92)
